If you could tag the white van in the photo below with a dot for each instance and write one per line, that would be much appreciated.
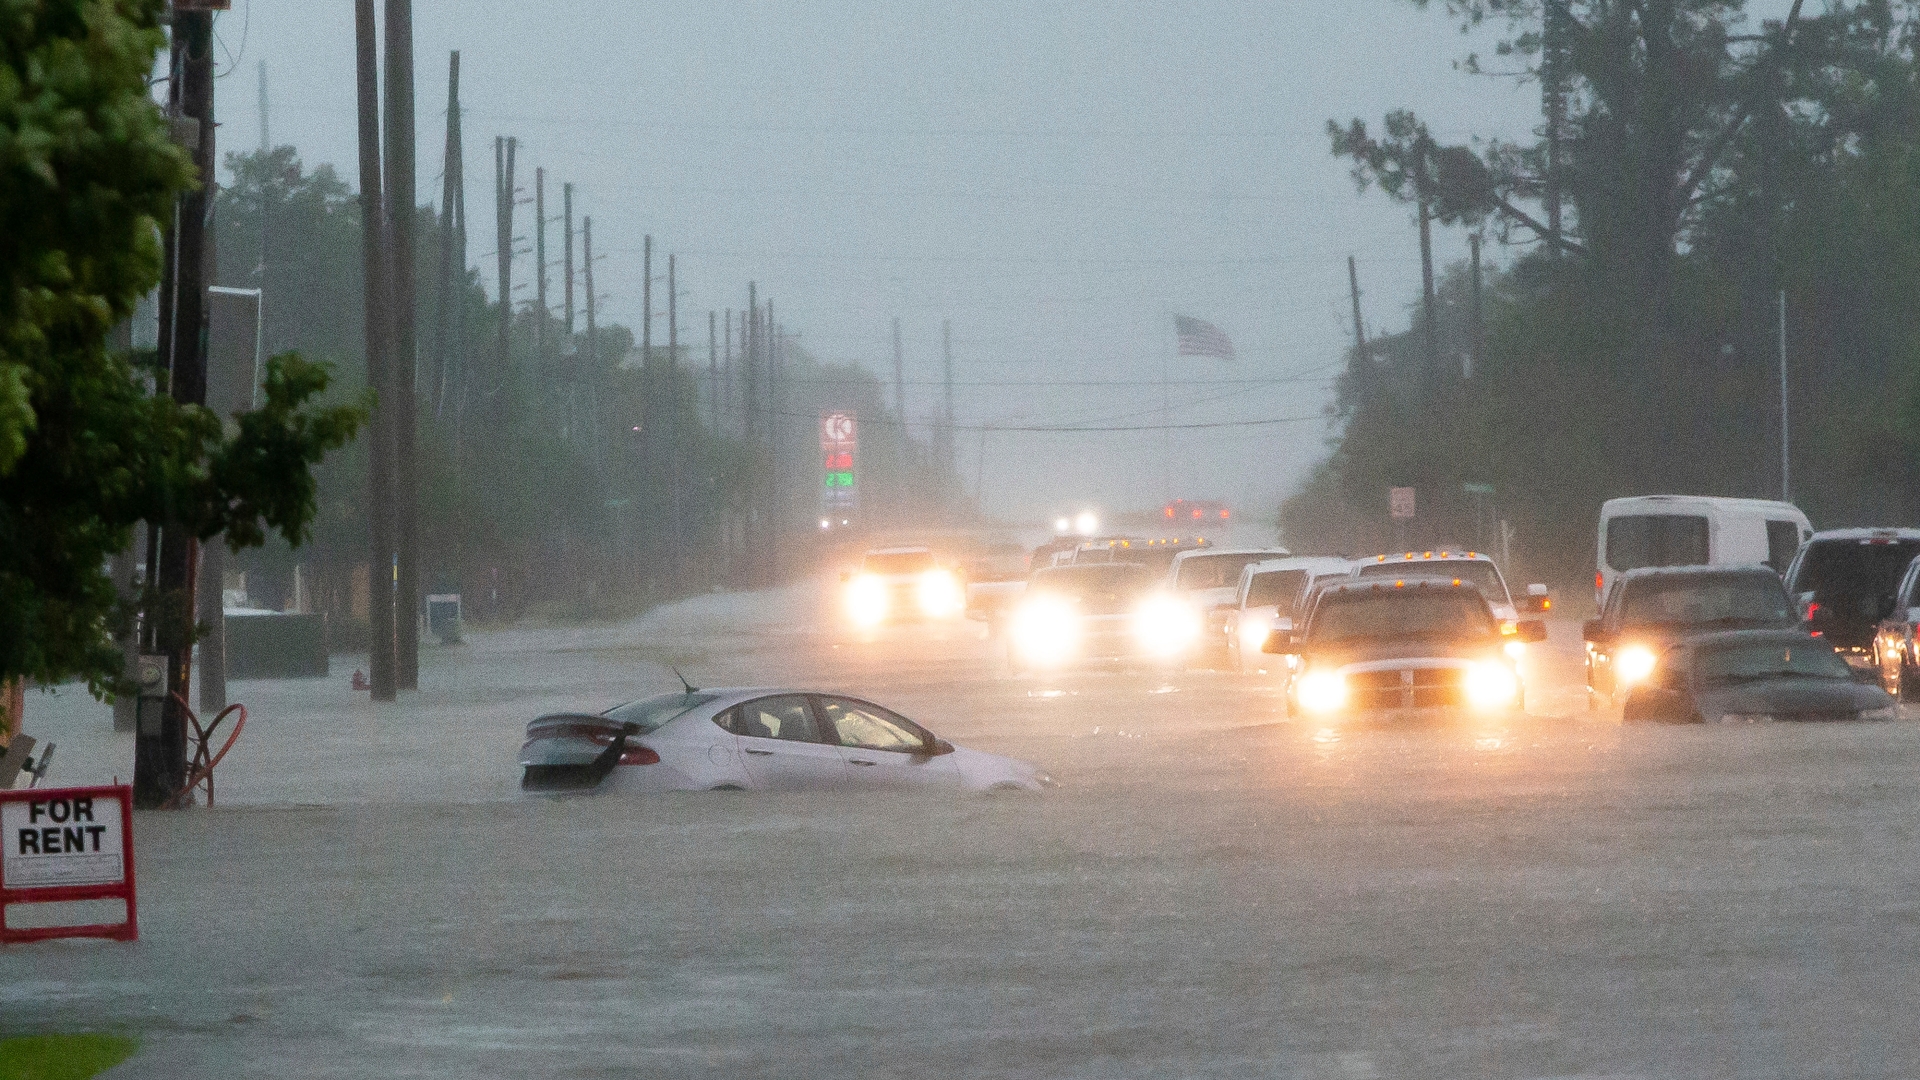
(1694, 530)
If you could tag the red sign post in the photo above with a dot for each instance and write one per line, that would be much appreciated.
(67, 844)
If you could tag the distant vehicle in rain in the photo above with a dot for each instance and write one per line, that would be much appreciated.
(1694, 530)
(1403, 650)
(1844, 583)
(1099, 611)
(1754, 676)
(1650, 608)
(902, 583)
(1896, 645)
(759, 739)
(1269, 590)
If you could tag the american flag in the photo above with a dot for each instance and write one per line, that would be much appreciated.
(1200, 338)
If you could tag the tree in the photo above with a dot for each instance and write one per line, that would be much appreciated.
(87, 175)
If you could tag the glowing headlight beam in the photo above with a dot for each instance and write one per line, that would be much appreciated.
(1491, 686)
(1046, 632)
(1633, 665)
(867, 601)
(1322, 692)
(1165, 626)
(939, 595)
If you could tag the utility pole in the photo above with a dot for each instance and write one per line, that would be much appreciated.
(899, 383)
(646, 303)
(1553, 92)
(1786, 433)
(503, 150)
(750, 529)
(266, 144)
(726, 367)
(1359, 328)
(160, 745)
(540, 269)
(379, 333)
(946, 411)
(713, 371)
(593, 343)
(453, 245)
(566, 199)
(1478, 343)
(1430, 300)
(676, 522)
(404, 370)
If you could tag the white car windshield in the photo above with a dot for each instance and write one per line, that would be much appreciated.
(1749, 661)
(1388, 614)
(1216, 571)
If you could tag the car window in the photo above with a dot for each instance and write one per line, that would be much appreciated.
(1749, 661)
(787, 717)
(870, 727)
(898, 562)
(1849, 577)
(1638, 540)
(1388, 614)
(651, 713)
(1703, 599)
(1783, 540)
(1217, 571)
(1275, 587)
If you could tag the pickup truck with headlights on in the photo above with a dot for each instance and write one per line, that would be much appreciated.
(1403, 650)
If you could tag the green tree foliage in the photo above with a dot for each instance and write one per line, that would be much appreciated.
(1707, 164)
(86, 451)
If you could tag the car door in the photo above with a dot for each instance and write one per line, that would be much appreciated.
(883, 749)
(783, 745)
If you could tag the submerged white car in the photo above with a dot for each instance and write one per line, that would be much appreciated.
(760, 739)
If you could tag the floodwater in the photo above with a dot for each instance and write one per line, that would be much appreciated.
(1213, 891)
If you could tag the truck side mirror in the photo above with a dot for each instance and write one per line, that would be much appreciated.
(1592, 633)
(1279, 639)
(1530, 630)
(1537, 601)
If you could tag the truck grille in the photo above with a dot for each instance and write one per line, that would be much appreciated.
(1408, 688)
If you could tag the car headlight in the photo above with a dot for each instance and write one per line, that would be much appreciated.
(1633, 664)
(1491, 686)
(1322, 691)
(1045, 631)
(1885, 712)
(867, 600)
(1515, 650)
(1253, 633)
(1166, 626)
(939, 595)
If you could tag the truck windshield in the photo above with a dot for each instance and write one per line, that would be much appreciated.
(1481, 575)
(1387, 614)
(899, 562)
(1705, 599)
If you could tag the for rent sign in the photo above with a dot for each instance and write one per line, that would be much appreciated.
(66, 844)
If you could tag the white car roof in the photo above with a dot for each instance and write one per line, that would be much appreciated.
(1866, 534)
(1615, 507)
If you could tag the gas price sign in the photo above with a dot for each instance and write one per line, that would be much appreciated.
(839, 445)
(66, 844)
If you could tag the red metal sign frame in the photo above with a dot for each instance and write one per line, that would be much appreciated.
(122, 890)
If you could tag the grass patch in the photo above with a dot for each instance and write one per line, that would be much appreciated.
(61, 1057)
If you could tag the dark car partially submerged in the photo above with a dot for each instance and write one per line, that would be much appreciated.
(1753, 676)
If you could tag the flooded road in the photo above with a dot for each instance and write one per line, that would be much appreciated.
(1213, 891)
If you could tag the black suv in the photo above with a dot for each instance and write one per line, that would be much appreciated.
(1407, 648)
(1653, 607)
(1843, 583)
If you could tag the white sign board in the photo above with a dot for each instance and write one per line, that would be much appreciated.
(1400, 502)
(63, 839)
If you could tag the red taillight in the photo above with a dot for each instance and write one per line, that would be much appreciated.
(640, 755)
(1599, 581)
(1813, 609)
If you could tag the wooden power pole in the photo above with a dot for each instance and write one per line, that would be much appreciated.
(160, 739)
(377, 297)
(503, 151)
(566, 201)
(405, 358)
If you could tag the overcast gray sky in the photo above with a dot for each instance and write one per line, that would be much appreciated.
(1058, 179)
